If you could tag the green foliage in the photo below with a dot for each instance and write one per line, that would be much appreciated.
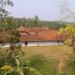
(12, 23)
(69, 33)
(20, 70)
(55, 25)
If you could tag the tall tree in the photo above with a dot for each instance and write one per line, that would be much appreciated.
(36, 21)
(3, 12)
(3, 5)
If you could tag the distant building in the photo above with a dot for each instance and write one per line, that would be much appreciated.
(39, 36)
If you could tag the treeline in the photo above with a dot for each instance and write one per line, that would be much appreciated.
(12, 23)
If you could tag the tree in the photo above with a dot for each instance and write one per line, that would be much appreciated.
(36, 21)
(69, 32)
(3, 12)
(14, 52)
(3, 4)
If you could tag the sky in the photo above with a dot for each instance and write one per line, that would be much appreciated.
(44, 9)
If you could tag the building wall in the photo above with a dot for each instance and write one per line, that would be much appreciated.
(35, 44)
(42, 43)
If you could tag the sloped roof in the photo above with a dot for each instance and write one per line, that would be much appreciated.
(40, 34)
(34, 29)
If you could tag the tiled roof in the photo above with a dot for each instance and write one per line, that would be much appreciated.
(38, 34)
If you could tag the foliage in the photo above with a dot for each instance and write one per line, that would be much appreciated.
(20, 70)
(3, 4)
(11, 22)
(69, 33)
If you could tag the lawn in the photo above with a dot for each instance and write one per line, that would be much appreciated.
(47, 51)
(55, 55)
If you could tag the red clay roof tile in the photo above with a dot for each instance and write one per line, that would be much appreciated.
(38, 34)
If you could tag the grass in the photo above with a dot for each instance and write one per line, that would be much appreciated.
(52, 53)
(47, 51)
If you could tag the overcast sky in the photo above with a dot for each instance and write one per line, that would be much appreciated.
(45, 9)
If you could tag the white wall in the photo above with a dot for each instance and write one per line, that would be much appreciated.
(36, 44)
(42, 43)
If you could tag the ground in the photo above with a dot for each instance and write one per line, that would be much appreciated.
(55, 54)
(58, 53)
(47, 51)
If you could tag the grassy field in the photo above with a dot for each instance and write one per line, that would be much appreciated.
(55, 55)
(47, 51)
